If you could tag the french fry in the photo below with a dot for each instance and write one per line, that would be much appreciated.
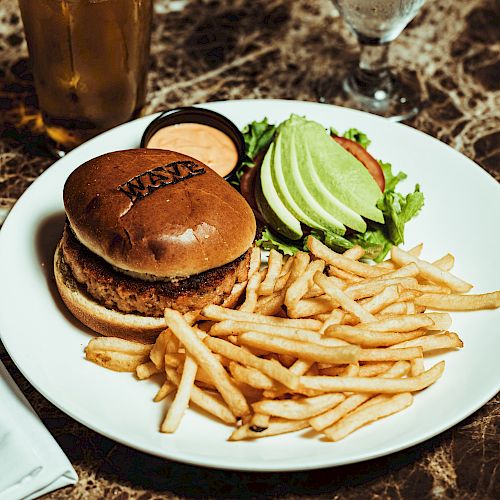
(252, 293)
(114, 360)
(391, 354)
(371, 413)
(343, 275)
(336, 317)
(399, 323)
(456, 302)
(302, 350)
(204, 399)
(381, 300)
(309, 307)
(372, 369)
(157, 353)
(300, 286)
(271, 305)
(445, 263)
(321, 251)
(270, 368)
(116, 344)
(276, 426)
(259, 422)
(344, 300)
(314, 291)
(235, 295)
(351, 370)
(447, 340)
(218, 313)
(146, 370)
(251, 376)
(417, 366)
(204, 357)
(373, 384)
(354, 253)
(166, 388)
(230, 327)
(182, 396)
(353, 401)
(431, 288)
(255, 261)
(430, 271)
(368, 288)
(174, 359)
(396, 309)
(274, 265)
(298, 409)
(367, 338)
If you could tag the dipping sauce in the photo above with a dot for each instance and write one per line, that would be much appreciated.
(203, 142)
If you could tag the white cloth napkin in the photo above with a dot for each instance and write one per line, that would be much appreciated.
(31, 462)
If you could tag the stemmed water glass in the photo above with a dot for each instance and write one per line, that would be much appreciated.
(371, 86)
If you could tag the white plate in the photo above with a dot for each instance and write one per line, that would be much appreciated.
(46, 343)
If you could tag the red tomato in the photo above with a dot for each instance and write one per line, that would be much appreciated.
(247, 185)
(364, 157)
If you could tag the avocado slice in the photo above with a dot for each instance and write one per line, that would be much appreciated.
(270, 205)
(341, 173)
(310, 205)
(282, 188)
(315, 186)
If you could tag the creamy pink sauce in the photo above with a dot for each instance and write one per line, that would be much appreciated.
(207, 144)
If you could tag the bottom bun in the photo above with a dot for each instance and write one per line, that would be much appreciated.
(102, 320)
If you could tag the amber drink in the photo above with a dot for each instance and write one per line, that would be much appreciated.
(90, 61)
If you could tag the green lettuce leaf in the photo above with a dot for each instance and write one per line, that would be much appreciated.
(398, 210)
(391, 180)
(357, 136)
(270, 240)
(257, 136)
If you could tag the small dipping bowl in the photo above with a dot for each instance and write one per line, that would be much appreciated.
(200, 133)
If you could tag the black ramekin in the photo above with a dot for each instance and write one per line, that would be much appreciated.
(198, 115)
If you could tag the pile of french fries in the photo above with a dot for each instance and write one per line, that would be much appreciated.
(321, 340)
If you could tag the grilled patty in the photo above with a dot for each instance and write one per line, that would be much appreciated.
(124, 293)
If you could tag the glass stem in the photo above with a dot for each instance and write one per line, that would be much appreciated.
(372, 77)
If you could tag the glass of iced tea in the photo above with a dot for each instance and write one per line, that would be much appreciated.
(90, 61)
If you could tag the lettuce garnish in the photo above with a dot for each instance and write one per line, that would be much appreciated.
(378, 238)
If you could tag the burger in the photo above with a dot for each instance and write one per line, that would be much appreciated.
(148, 229)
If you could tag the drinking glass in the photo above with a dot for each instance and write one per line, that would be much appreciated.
(371, 85)
(89, 61)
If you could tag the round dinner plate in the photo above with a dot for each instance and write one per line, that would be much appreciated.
(460, 216)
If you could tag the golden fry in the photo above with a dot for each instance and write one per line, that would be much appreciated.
(301, 350)
(274, 265)
(344, 300)
(456, 302)
(429, 271)
(205, 358)
(276, 426)
(369, 414)
(321, 251)
(375, 384)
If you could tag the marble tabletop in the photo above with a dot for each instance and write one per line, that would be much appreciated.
(206, 50)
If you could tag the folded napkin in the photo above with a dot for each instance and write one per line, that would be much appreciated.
(31, 462)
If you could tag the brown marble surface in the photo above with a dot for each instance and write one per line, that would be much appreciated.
(212, 50)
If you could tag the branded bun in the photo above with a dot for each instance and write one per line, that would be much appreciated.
(157, 212)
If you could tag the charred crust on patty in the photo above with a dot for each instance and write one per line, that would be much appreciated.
(128, 294)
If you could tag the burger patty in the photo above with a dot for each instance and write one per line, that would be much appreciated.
(124, 293)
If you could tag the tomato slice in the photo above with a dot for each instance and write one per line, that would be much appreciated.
(247, 185)
(370, 163)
